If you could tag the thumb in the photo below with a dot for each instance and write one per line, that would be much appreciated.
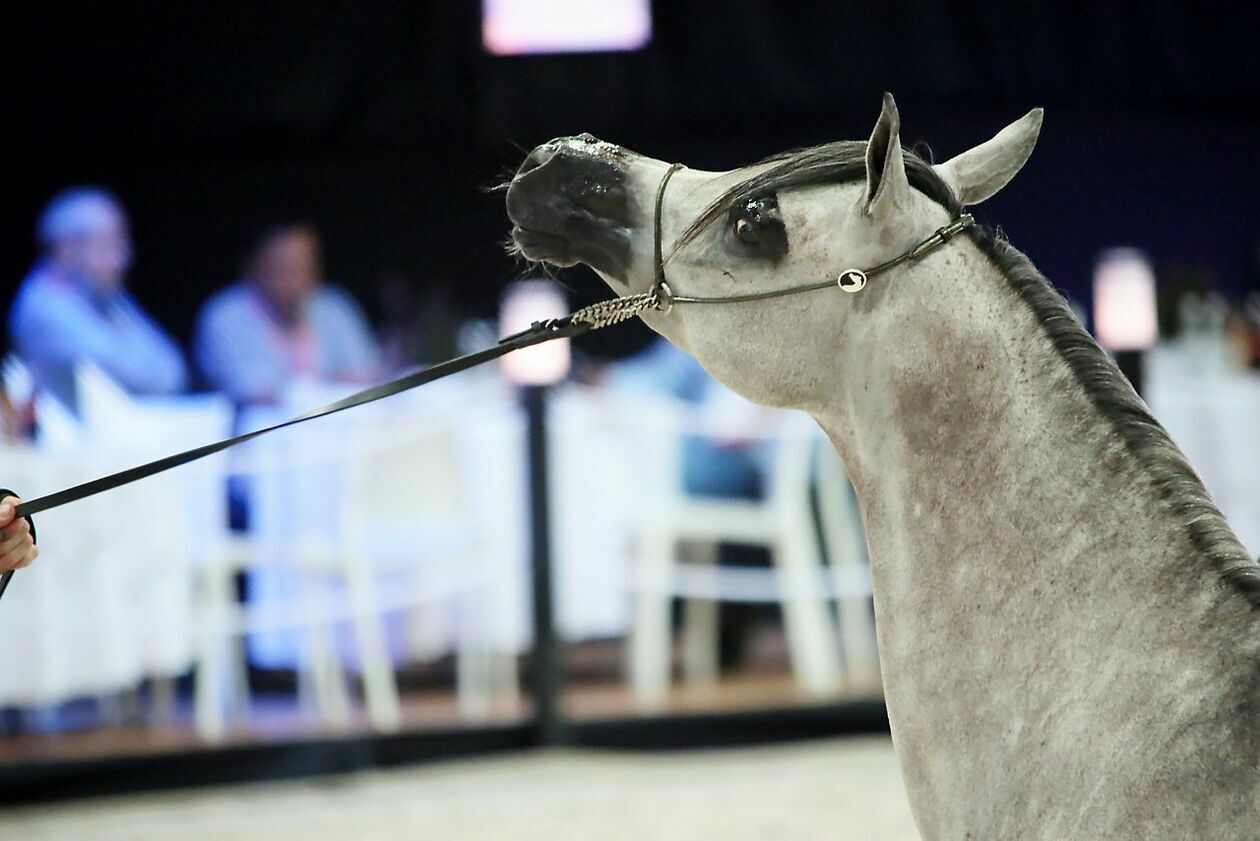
(7, 509)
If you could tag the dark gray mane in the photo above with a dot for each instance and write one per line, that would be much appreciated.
(830, 163)
(1106, 388)
(1110, 393)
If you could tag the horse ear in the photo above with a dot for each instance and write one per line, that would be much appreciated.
(981, 171)
(887, 187)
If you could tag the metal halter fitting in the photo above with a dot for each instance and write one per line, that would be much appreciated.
(663, 299)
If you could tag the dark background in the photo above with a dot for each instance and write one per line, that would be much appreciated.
(384, 122)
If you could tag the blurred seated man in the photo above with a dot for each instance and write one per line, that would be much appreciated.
(281, 323)
(73, 306)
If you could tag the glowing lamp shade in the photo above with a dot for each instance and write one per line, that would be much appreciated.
(523, 27)
(525, 302)
(1124, 301)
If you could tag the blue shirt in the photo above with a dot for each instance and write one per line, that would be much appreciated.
(246, 352)
(57, 322)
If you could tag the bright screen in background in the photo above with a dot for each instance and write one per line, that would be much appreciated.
(1124, 300)
(522, 27)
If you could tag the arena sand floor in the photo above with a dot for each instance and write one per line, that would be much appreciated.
(836, 789)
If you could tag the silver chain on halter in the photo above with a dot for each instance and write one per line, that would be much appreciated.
(616, 310)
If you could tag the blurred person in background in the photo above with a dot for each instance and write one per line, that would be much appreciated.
(74, 307)
(282, 323)
(417, 325)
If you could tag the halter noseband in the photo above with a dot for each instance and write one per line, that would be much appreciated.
(663, 299)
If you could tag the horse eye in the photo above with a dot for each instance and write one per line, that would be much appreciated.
(746, 231)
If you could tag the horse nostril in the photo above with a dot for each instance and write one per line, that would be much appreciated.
(535, 159)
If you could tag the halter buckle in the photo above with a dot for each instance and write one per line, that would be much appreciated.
(663, 297)
(851, 280)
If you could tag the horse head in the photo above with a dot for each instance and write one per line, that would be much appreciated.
(791, 219)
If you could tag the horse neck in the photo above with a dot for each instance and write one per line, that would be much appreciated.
(1002, 511)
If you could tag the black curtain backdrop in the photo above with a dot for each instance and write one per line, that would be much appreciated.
(385, 122)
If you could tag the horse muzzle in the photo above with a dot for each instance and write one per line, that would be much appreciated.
(569, 204)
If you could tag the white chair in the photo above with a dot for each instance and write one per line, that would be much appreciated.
(195, 524)
(411, 495)
(366, 517)
(671, 520)
(845, 542)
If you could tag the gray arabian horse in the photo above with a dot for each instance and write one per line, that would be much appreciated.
(1069, 632)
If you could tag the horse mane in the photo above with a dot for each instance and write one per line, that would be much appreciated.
(1108, 391)
(1167, 469)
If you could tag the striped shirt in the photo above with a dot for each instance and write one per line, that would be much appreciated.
(248, 354)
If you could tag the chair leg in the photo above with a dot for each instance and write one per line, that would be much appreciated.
(857, 636)
(380, 688)
(473, 662)
(649, 636)
(329, 677)
(505, 679)
(472, 679)
(208, 690)
(846, 550)
(700, 627)
(811, 633)
(240, 703)
(207, 696)
(326, 675)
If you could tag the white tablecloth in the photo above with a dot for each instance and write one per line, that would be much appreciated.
(110, 599)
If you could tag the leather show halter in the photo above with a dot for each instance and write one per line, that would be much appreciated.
(849, 280)
(603, 314)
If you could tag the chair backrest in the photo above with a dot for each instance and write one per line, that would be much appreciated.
(298, 490)
(405, 469)
(794, 439)
(56, 427)
(157, 425)
(134, 429)
(646, 432)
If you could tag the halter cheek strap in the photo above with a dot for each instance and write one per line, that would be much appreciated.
(659, 287)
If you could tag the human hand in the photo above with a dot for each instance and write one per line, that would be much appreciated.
(17, 543)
